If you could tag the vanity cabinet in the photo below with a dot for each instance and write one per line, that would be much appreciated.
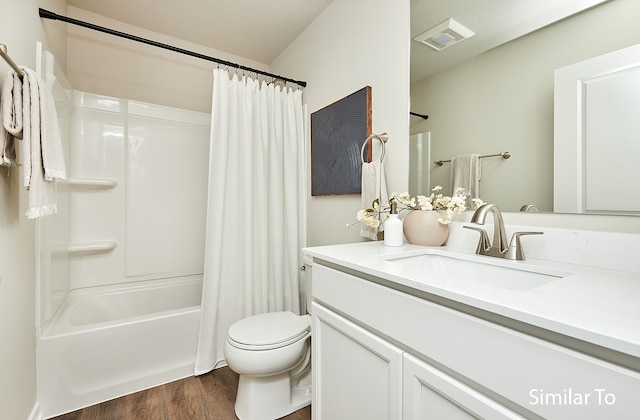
(381, 352)
(357, 375)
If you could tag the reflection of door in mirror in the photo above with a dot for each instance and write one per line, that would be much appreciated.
(420, 157)
(597, 134)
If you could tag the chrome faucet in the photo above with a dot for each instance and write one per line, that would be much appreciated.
(498, 247)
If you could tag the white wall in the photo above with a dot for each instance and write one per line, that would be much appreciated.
(20, 29)
(352, 44)
(503, 101)
(113, 66)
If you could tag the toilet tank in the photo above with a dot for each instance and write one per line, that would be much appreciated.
(305, 287)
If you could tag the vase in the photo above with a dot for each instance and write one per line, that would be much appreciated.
(422, 228)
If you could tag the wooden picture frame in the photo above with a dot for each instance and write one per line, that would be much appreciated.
(337, 133)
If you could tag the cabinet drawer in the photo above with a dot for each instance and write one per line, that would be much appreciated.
(542, 377)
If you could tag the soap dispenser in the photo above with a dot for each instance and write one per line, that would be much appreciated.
(393, 227)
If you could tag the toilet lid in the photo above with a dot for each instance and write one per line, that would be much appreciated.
(270, 330)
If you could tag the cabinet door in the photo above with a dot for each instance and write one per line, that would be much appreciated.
(431, 394)
(356, 375)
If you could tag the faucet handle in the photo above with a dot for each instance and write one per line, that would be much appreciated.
(483, 243)
(515, 251)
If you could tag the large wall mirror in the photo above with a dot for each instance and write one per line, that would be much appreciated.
(494, 93)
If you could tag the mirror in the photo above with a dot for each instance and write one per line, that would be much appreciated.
(501, 98)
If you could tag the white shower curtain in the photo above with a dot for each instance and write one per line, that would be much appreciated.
(256, 208)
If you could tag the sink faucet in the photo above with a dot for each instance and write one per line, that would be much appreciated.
(498, 247)
(530, 208)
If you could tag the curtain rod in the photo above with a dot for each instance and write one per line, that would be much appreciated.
(53, 16)
(419, 115)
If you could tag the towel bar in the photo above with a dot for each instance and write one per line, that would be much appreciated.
(504, 155)
(5, 56)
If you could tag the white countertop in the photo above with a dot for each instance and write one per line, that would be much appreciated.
(595, 305)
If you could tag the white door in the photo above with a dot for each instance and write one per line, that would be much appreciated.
(356, 375)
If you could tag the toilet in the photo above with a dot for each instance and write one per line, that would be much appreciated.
(272, 354)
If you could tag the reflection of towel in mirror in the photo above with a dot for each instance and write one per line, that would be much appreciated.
(42, 158)
(465, 173)
(374, 185)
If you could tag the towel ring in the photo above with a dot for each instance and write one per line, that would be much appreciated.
(383, 137)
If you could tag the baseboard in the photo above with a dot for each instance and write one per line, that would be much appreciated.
(35, 412)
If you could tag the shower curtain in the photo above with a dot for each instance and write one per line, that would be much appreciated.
(256, 208)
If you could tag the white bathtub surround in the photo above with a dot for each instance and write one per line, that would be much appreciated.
(120, 282)
(129, 164)
(256, 208)
(110, 341)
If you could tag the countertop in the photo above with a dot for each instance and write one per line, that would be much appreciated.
(595, 305)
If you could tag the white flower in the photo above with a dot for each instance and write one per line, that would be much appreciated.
(477, 202)
(373, 222)
(436, 201)
(424, 203)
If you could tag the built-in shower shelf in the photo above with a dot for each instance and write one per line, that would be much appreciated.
(98, 183)
(92, 247)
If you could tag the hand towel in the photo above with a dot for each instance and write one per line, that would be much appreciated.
(11, 116)
(374, 186)
(42, 159)
(465, 173)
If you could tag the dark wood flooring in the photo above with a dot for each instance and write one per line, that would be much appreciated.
(206, 397)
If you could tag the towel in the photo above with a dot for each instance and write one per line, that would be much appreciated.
(42, 158)
(11, 116)
(374, 186)
(465, 173)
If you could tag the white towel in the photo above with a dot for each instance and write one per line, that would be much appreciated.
(465, 173)
(374, 186)
(42, 159)
(11, 115)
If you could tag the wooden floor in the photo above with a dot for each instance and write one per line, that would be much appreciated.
(205, 397)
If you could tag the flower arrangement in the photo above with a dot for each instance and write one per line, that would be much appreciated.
(445, 205)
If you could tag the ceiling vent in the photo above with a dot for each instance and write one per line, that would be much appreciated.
(444, 35)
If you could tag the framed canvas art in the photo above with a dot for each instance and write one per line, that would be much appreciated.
(337, 133)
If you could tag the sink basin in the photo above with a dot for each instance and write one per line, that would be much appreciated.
(476, 270)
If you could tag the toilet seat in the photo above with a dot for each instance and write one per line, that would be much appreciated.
(269, 331)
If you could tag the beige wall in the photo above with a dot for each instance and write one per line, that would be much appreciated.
(21, 28)
(352, 44)
(118, 67)
(503, 101)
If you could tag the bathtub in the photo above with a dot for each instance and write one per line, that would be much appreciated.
(109, 341)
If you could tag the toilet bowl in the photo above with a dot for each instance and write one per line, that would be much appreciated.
(271, 353)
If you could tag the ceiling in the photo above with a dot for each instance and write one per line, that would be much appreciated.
(255, 29)
(259, 30)
(494, 22)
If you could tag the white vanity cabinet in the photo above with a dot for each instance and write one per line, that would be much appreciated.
(357, 375)
(381, 352)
